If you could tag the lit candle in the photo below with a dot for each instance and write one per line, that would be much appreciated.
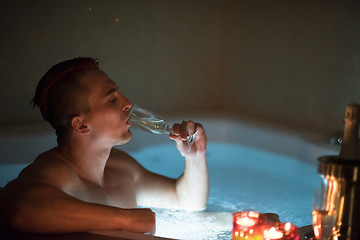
(290, 231)
(287, 226)
(247, 225)
(283, 231)
(272, 233)
(245, 221)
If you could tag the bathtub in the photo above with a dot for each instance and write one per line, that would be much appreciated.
(251, 167)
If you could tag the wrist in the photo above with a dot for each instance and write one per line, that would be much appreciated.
(197, 157)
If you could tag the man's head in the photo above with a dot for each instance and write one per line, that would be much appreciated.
(61, 96)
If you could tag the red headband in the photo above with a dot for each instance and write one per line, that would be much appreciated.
(56, 74)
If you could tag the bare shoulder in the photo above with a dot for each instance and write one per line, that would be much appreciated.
(120, 160)
(48, 168)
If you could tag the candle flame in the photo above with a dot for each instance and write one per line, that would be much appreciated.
(245, 221)
(272, 233)
(287, 226)
(253, 214)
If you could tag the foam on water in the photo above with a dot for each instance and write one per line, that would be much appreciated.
(193, 225)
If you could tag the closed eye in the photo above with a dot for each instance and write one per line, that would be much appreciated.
(113, 94)
(113, 100)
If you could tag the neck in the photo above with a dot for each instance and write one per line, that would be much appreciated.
(87, 159)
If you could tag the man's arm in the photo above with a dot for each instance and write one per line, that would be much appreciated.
(190, 191)
(193, 186)
(37, 207)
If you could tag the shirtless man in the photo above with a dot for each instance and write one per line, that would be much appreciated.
(85, 184)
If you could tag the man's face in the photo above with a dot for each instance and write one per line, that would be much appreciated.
(108, 119)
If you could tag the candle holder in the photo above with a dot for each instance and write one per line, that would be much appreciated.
(283, 231)
(248, 225)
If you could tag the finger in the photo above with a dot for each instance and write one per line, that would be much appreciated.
(175, 134)
(201, 131)
(191, 128)
(183, 131)
(176, 129)
(200, 139)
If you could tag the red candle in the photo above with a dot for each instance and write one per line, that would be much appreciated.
(272, 233)
(245, 219)
(246, 222)
(247, 225)
(284, 231)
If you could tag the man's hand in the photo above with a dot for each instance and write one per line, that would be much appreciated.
(140, 220)
(185, 129)
(192, 187)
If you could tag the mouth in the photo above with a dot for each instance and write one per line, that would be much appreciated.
(128, 121)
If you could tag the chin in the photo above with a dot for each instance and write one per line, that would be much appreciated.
(124, 139)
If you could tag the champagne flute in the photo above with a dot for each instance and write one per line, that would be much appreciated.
(323, 214)
(152, 122)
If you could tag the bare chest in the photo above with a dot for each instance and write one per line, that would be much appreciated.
(120, 187)
(118, 191)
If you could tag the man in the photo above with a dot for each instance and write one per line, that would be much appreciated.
(85, 184)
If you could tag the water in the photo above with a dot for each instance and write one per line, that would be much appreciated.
(241, 179)
(9, 172)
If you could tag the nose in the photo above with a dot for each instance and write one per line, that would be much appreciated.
(126, 106)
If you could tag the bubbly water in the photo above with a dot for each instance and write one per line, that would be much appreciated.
(241, 179)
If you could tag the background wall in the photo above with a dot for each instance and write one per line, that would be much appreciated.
(292, 62)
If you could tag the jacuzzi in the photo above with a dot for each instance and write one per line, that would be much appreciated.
(251, 167)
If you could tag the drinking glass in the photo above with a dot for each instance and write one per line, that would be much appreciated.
(323, 214)
(152, 122)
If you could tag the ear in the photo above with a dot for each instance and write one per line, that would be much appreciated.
(78, 124)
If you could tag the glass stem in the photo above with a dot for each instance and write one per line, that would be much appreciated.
(189, 139)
